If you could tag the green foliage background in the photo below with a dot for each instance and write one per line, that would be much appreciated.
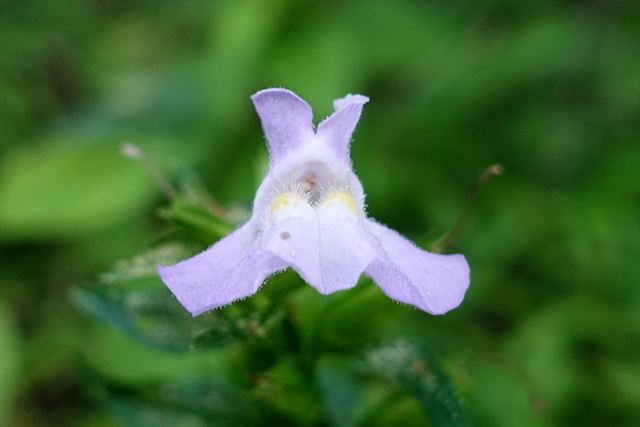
(549, 333)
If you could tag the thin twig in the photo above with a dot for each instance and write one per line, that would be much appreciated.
(488, 173)
(135, 152)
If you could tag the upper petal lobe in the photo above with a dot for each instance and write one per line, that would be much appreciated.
(286, 120)
(337, 129)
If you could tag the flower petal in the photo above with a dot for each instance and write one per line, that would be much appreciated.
(345, 251)
(327, 246)
(338, 128)
(295, 241)
(432, 282)
(340, 103)
(231, 269)
(286, 120)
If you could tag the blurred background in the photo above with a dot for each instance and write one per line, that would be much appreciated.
(549, 332)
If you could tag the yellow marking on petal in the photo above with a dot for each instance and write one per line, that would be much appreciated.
(341, 198)
(286, 200)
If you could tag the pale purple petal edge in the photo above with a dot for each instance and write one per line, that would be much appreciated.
(287, 120)
(431, 282)
(337, 129)
(232, 269)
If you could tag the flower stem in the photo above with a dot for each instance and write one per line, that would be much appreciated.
(488, 173)
(135, 152)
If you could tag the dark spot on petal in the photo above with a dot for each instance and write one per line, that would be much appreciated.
(285, 235)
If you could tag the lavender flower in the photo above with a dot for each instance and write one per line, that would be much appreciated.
(309, 215)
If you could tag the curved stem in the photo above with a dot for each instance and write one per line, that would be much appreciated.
(488, 173)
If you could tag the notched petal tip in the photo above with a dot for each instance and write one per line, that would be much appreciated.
(337, 129)
(340, 103)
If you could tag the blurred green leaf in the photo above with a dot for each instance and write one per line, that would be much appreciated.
(124, 361)
(132, 298)
(346, 398)
(288, 388)
(9, 363)
(197, 221)
(150, 315)
(343, 321)
(354, 397)
(224, 326)
(355, 317)
(414, 368)
(199, 402)
(62, 190)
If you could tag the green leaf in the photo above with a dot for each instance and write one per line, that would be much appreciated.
(149, 315)
(55, 190)
(132, 298)
(356, 317)
(9, 361)
(342, 321)
(197, 221)
(342, 391)
(354, 398)
(123, 361)
(227, 325)
(410, 365)
(201, 402)
(288, 388)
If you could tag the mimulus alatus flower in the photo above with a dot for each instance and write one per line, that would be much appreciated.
(308, 214)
